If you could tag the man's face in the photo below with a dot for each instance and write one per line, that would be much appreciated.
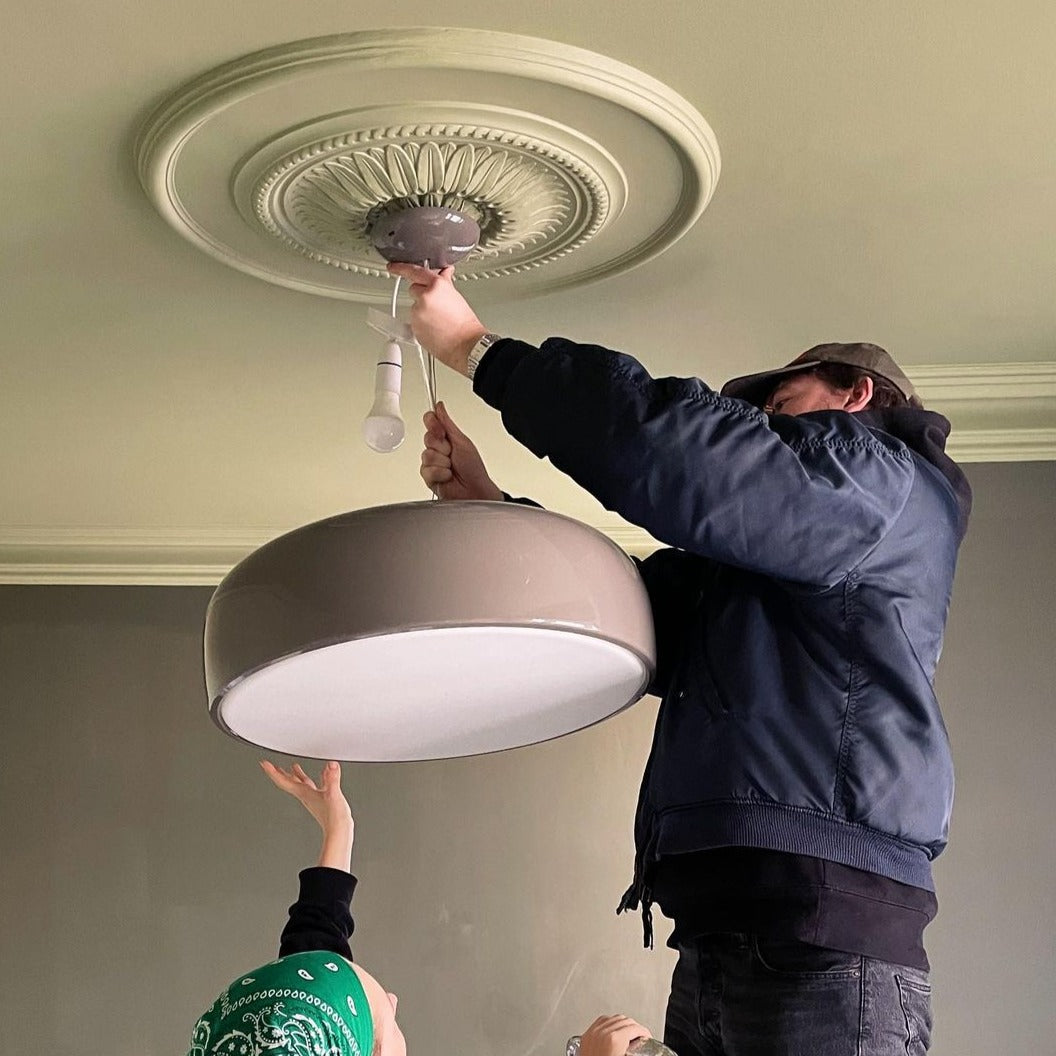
(805, 392)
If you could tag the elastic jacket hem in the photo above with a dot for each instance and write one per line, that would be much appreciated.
(778, 827)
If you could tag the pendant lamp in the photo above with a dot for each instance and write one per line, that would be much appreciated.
(431, 629)
(426, 630)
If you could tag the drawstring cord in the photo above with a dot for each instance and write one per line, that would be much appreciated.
(639, 893)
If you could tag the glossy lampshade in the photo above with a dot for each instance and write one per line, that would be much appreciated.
(426, 630)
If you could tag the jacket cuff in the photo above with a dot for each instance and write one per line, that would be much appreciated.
(496, 366)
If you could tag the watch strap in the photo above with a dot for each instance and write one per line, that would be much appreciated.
(476, 353)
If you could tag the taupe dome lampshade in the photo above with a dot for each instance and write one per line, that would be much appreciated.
(426, 630)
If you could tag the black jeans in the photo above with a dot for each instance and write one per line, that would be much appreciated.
(742, 995)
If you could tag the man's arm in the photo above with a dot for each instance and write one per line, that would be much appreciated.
(675, 582)
(803, 499)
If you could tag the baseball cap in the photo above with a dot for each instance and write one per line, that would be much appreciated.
(755, 388)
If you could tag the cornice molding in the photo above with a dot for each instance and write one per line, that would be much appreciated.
(984, 381)
(124, 556)
(188, 557)
(201, 556)
(1003, 445)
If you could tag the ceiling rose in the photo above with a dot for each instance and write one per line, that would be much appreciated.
(535, 200)
(279, 163)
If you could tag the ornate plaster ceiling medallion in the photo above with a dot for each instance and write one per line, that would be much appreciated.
(534, 200)
(280, 162)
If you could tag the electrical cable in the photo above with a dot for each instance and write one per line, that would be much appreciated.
(428, 365)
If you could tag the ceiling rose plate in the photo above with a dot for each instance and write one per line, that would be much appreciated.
(575, 166)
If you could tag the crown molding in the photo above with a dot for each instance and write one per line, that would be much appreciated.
(984, 381)
(98, 556)
(202, 556)
(1003, 445)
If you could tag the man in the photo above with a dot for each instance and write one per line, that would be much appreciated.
(799, 783)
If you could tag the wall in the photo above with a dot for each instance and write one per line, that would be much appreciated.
(146, 861)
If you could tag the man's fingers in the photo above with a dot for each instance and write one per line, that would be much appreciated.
(440, 444)
(419, 276)
(433, 456)
(436, 475)
(448, 423)
(434, 428)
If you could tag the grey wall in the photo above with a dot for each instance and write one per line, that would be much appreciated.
(146, 861)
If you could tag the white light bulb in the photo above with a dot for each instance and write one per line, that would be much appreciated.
(383, 429)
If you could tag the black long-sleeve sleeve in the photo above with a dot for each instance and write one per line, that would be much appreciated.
(321, 918)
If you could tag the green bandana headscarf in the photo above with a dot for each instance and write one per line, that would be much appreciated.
(307, 1004)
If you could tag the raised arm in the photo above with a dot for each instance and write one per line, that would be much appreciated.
(800, 498)
(803, 499)
(321, 918)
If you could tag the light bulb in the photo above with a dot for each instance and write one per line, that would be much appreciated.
(383, 429)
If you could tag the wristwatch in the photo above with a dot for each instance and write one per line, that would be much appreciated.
(477, 352)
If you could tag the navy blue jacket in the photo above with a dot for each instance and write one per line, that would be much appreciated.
(799, 610)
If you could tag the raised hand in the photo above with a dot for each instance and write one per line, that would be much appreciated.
(326, 803)
(451, 464)
(441, 318)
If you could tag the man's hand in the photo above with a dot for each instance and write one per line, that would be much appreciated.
(451, 464)
(326, 803)
(611, 1036)
(442, 321)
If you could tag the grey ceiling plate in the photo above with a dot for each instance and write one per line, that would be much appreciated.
(574, 165)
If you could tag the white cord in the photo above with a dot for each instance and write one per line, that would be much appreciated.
(428, 366)
(428, 371)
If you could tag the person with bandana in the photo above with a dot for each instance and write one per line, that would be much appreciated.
(313, 1000)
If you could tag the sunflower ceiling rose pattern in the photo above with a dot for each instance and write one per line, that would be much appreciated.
(534, 201)
(575, 166)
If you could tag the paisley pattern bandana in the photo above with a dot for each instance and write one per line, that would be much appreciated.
(307, 1004)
